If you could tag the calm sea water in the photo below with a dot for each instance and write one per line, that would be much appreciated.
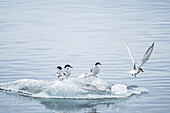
(38, 35)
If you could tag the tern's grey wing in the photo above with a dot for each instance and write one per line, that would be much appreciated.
(92, 72)
(89, 73)
(67, 72)
(133, 61)
(146, 56)
(59, 73)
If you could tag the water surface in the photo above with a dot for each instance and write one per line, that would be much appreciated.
(36, 36)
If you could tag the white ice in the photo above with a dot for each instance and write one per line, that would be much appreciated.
(91, 87)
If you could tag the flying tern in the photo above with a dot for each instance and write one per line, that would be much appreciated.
(137, 67)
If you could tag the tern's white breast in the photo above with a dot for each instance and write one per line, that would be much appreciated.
(133, 71)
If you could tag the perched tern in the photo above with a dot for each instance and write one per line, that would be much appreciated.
(93, 71)
(137, 68)
(66, 70)
(61, 75)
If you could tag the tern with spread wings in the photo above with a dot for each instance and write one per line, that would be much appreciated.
(137, 68)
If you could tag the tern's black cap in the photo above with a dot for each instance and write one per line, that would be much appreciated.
(68, 66)
(59, 67)
(98, 63)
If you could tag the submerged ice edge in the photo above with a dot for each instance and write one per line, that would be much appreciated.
(74, 88)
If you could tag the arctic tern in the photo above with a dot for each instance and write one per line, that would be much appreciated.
(137, 68)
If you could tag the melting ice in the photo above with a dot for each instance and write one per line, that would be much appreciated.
(78, 88)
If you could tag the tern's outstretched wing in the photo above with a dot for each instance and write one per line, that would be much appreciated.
(133, 61)
(146, 56)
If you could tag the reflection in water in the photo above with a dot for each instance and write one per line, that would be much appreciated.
(88, 106)
(94, 110)
(75, 105)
